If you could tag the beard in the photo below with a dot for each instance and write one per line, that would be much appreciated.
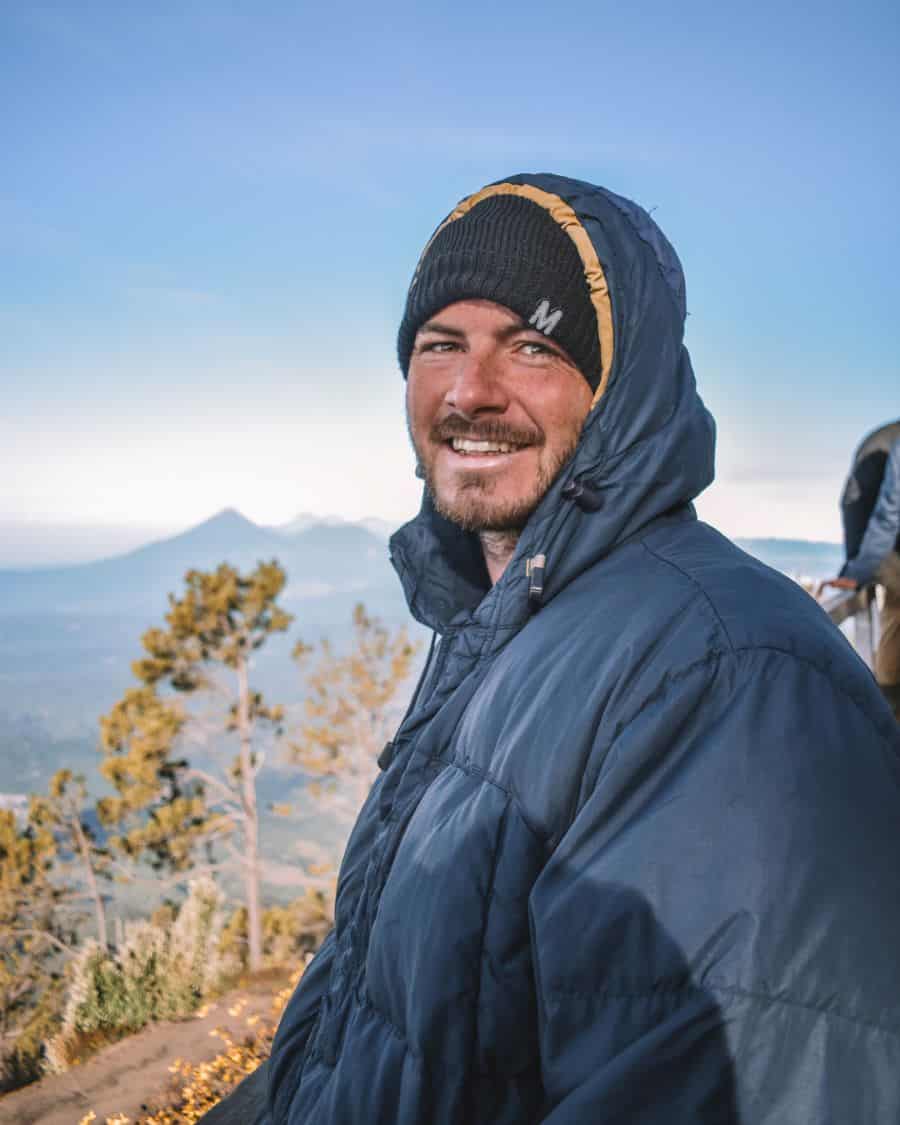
(474, 504)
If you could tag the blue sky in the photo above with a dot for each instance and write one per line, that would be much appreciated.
(209, 213)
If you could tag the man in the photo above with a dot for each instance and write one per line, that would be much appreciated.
(632, 856)
(870, 511)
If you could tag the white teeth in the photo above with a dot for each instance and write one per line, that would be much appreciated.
(466, 445)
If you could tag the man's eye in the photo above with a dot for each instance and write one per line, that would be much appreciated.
(438, 346)
(531, 347)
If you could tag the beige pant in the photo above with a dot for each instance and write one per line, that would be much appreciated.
(887, 658)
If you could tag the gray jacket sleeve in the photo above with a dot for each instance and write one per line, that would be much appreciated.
(883, 526)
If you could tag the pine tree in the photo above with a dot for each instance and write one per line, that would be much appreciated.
(166, 807)
(159, 812)
(32, 939)
(61, 813)
(350, 711)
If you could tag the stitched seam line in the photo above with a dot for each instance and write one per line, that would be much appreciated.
(729, 990)
(638, 234)
(669, 680)
(738, 650)
(834, 684)
(674, 678)
(697, 586)
(366, 1004)
(483, 776)
(498, 851)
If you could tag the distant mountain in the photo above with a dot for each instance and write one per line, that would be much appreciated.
(384, 529)
(321, 560)
(302, 522)
(68, 634)
(324, 559)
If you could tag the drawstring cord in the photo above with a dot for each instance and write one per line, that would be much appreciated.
(589, 499)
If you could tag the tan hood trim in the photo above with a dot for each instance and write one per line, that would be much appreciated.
(562, 213)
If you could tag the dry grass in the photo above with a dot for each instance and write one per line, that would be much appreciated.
(196, 1088)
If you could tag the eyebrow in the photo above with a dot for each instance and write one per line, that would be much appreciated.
(459, 334)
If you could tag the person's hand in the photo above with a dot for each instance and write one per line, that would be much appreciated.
(840, 583)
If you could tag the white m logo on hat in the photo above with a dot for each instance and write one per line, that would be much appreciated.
(543, 319)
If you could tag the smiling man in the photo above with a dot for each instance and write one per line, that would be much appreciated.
(632, 853)
(495, 410)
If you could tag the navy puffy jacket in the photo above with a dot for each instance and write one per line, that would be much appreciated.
(633, 855)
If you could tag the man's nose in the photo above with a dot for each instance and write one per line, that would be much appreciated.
(476, 387)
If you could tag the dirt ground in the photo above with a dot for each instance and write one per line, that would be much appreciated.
(126, 1076)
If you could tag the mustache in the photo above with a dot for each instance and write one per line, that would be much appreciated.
(455, 426)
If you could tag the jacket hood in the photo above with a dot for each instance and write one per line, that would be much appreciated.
(646, 448)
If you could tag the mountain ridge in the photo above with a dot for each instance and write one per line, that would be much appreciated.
(321, 559)
(229, 522)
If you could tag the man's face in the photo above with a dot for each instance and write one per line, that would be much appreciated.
(494, 410)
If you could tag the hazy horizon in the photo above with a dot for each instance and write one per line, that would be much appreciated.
(30, 544)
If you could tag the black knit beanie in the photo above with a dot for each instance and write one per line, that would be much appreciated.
(510, 250)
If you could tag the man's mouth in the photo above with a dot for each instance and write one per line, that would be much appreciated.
(467, 446)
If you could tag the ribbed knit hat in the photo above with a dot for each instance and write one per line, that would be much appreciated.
(507, 249)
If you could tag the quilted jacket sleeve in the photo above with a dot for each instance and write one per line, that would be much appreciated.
(714, 937)
(883, 526)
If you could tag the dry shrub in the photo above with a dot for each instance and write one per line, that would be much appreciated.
(159, 972)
